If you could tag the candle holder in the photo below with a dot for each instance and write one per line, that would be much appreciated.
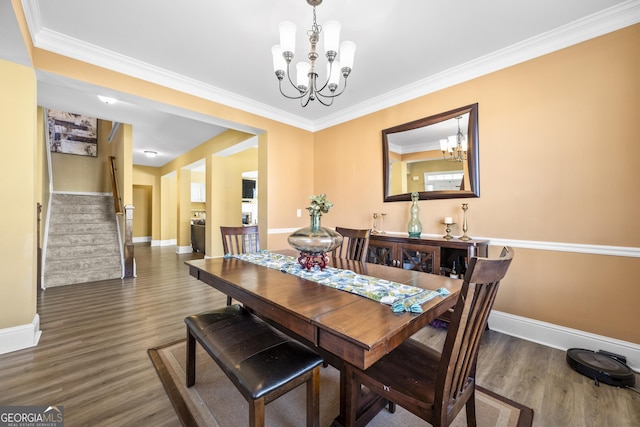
(383, 216)
(375, 224)
(448, 225)
(464, 236)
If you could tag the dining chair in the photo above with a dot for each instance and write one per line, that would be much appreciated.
(432, 385)
(355, 244)
(239, 240)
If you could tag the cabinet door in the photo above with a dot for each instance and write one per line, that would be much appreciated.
(197, 192)
(382, 253)
(419, 257)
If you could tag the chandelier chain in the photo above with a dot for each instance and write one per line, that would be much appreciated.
(315, 28)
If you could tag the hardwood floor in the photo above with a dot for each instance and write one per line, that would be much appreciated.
(92, 356)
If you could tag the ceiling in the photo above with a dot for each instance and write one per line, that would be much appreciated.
(221, 51)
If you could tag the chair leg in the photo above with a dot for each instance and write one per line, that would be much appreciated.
(191, 359)
(256, 413)
(471, 409)
(228, 300)
(392, 407)
(313, 398)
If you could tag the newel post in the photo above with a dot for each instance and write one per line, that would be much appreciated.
(129, 261)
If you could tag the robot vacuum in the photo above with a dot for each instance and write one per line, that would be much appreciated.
(601, 366)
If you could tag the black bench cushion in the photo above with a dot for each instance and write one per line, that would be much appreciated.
(255, 356)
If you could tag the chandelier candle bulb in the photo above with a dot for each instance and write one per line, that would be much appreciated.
(279, 63)
(287, 36)
(331, 31)
(347, 54)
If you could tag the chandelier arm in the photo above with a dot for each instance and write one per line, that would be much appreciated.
(304, 103)
(302, 94)
(326, 104)
(289, 76)
(334, 95)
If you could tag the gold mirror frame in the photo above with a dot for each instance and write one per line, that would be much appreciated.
(471, 169)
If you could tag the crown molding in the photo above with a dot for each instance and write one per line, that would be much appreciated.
(614, 18)
(598, 24)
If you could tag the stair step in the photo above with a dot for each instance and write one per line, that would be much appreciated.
(82, 251)
(106, 209)
(84, 218)
(82, 244)
(82, 277)
(70, 228)
(80, 199)
(63, 240)
(85, 265)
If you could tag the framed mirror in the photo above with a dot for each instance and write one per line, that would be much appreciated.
(436, 156)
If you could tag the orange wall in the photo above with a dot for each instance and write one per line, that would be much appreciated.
(558, 154)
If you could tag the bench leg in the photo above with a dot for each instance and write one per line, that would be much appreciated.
(313, 398)
(191, 359)
(256, 413)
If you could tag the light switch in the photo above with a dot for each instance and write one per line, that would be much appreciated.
(299, 213)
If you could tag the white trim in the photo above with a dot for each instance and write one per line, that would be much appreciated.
(168, 242)
(119, 218)
(19, 337)
(603, 22)
(281, 230)
(562, 338)
(143, 239)
(184, 249)
(45, 239)
(622, 251)
(608, 20)
(114, 130)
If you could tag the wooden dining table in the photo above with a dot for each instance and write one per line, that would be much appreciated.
(343, 327)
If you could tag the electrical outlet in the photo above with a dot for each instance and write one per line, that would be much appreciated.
(299, 213)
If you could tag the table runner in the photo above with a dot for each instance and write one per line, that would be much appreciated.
(399, 296)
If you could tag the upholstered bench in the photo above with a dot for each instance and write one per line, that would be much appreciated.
(262, 362)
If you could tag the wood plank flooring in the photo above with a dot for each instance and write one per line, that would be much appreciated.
(92, 356)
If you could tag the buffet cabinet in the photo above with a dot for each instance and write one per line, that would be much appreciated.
(429, 255)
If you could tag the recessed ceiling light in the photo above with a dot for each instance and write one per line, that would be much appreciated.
(151, 153)
(107, 99)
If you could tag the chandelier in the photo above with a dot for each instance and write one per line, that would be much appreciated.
(307, 85)
(454, 148)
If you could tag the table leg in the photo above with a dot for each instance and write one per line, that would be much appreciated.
(368, 404)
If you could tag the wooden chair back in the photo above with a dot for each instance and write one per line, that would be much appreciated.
(355, 244)
(455, 383)
(240, 240)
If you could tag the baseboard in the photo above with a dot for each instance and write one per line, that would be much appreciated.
(19, 337)
(169, 242)
(143, 239)
(184, 249)
(562, 338)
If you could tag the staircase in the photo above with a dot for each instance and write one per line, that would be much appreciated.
(82, 244)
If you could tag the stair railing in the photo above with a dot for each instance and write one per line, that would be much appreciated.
(117, 202)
